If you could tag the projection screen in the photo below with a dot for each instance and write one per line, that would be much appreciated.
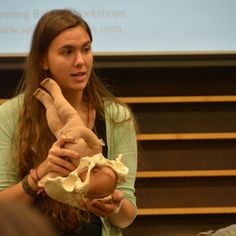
(130, 26)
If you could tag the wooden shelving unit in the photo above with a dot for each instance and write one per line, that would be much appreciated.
(185, 105)
(152, 180)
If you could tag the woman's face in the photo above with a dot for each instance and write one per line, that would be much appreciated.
(70, 59)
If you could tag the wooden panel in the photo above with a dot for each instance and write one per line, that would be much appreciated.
(185, 192)
(190, 173)
(178, 99)
(186, 117)
(130, 82)
(187, 211)
(166, 155)
(186, 136)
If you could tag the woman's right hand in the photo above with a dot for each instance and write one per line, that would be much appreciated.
(59, 159)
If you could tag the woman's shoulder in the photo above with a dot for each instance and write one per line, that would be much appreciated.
(11, 105)
(9, 113)
(117, 111)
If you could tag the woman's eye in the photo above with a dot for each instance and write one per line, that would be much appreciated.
(67, 52)
(87, 49)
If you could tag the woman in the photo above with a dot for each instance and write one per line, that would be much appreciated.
(61, 50)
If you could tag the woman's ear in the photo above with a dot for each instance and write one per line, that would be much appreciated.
(44, 64)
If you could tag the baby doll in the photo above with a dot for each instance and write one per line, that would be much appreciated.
(63, 119)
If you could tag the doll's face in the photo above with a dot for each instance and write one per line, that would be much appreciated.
(70, 59)
(102, 182)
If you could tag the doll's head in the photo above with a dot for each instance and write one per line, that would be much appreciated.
(103, 180)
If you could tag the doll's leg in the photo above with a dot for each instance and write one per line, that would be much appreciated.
(87, 141)
(54, 122)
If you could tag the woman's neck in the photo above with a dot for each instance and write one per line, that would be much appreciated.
(74, 98)
(85, 111)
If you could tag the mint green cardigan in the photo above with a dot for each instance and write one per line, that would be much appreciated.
(121, 139)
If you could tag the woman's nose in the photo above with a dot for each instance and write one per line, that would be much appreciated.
(79, 59)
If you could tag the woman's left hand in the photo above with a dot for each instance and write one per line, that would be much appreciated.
(105, 209)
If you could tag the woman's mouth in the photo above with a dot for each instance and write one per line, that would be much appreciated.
(78, 76)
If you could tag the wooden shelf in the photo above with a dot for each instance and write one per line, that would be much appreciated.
(187, 211)
(179, 99)
(185, 173)
(173, 99)
(187, 136)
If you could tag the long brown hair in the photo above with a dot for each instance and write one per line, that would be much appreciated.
(33, 136)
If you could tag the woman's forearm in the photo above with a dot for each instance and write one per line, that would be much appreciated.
(125, 216)
(16, 193)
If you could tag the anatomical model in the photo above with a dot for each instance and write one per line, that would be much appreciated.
(95, 176)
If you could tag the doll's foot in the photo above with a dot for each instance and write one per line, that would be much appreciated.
(51, 86)
(43, 97)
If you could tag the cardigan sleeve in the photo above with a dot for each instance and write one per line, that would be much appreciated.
(121, 139)
(8, 120)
